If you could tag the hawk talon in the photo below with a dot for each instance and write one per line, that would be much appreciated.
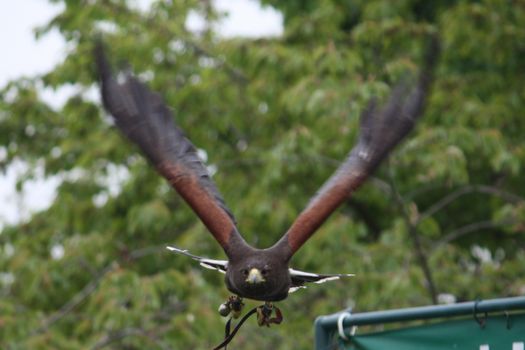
(264, 313)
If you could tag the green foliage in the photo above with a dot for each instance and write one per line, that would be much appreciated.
(275, 117)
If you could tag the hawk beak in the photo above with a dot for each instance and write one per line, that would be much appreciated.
(255, 277)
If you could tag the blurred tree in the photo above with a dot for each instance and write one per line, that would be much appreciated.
(276, 115)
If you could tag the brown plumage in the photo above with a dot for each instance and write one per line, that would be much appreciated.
(261, 274)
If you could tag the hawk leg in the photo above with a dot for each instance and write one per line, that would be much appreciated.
(264, 314)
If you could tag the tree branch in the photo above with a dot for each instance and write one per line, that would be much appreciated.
(451, 197)
(152, 334)
(416, 240)
(472, 227)
(366, 217)
(131, 331)
(118, 335)
(76, 300)
(91, 287)
(233, 72)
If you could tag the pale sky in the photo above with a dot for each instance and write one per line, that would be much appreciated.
(23, 56)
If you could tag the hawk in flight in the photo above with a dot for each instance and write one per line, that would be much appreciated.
(260, 274)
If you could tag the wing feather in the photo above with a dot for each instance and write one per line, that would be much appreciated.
(299, 278)
(212, 264)
(380, 131)
(145, 119)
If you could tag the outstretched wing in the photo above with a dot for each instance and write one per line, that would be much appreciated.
(299, 278)
(144, 118)
(212, 264)
(380, 131)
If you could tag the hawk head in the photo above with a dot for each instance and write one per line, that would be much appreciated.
(259, 275)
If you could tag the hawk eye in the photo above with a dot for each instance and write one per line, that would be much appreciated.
(264, 272)
(244, 272)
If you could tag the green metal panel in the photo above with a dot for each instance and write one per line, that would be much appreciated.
(457, 334)
(326, 327)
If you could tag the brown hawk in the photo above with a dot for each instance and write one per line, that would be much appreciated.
(260, 274)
